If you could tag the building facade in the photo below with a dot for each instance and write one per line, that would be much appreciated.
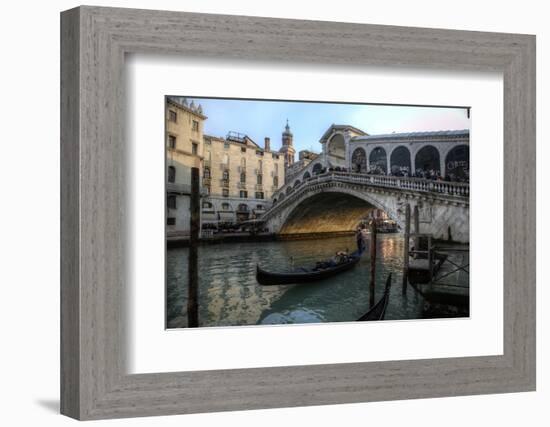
(184, 150)
(237, 176)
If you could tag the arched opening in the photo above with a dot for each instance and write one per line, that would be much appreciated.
(400, 161)
(288, 189)
(378, 161)
(296, 183)
(242, 212)
(281, 196)
(317, 168)
(359, 160)
(306, 176)
(426, 162)
(336, 151)
(457, 164)
(328, 211)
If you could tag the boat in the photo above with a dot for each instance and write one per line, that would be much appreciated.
(305, 275)
(378, 310)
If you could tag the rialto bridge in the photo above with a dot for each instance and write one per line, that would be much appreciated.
(338, 201)
(446, 153)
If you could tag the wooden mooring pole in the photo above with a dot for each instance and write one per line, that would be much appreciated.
(406, 246)
(416, 225)
(193, 288)
(372, 262)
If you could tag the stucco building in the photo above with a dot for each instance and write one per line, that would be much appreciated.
(238, 177)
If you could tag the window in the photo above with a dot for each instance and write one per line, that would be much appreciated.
(171, 141)
(206, 173)
(259, 180)
(226, 206)
(225, 175)
(206, 205)
(207, 141)
(195, 126)
(276, 166)
(243, 178)
(259, 153)
(243, 194)
(226, 145)
(275, 156)
(171, 202)
(259, 195)
(170, 221)
(171, 174)
(225, 192)
(243, 149)
(242, 208)
(194, 148)
(275, 181)
(172, 116)
(207, 189)
(260, 207)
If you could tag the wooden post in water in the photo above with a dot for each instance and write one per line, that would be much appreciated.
(372, 262)
(406, 245)
(416, 223)
(193, 288)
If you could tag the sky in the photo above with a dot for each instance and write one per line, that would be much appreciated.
(308, 121)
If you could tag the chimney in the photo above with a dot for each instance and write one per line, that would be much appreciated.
(267, 145)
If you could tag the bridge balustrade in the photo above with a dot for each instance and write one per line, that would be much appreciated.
(412, 184)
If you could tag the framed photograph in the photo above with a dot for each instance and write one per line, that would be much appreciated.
(262, 213)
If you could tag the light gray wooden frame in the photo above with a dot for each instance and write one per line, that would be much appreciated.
(94, 41)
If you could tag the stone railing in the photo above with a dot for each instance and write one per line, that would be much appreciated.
(410, 184)
(283, 198)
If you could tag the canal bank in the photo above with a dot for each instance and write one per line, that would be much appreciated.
(183, 241)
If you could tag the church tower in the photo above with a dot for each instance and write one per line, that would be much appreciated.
(287, 148)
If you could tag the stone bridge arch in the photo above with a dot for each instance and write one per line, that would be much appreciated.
(329, 208)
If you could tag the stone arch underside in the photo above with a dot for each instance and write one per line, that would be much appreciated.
(326, 212)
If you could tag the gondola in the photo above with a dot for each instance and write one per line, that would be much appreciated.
(304, 275)
(378, 311)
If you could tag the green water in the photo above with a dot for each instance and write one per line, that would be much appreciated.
(229, 294)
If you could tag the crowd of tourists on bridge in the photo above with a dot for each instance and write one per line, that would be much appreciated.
(461, 175)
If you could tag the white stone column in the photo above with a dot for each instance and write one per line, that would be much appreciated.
(388, 162)
(442, 165)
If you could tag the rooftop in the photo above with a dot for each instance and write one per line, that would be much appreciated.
(416, 135)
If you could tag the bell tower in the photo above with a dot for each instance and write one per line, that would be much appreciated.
(287, 148)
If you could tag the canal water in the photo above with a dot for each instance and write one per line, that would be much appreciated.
(230, 296)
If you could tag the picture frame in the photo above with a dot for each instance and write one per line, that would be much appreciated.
(94, 380)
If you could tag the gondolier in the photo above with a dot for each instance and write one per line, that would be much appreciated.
(338, 264)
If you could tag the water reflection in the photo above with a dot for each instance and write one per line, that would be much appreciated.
(229, 294)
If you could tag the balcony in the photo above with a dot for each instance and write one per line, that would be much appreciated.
(183, 189)
(224, 183)
(241, 185)
(259, 187)
(206, 181)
